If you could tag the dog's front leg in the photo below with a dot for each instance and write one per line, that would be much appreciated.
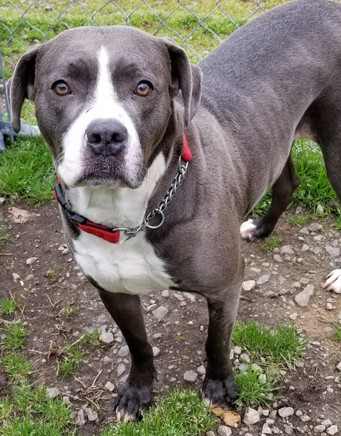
(219, 387)
(137, 391)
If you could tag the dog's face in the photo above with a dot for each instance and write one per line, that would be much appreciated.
(104, 98)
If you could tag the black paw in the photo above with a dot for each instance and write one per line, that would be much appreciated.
(255, 230)
(131, 398)
(219, 392)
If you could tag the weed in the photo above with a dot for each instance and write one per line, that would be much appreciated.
(51, 273)
(337, 333)
(281, 345)
(182, 413)
(69, 311)
(16, 367)
(71, 360)
(255, 388)
(8, 306)
(91, 339)
(299, 220)
(270, 243)
(16, 337)
(3, 236)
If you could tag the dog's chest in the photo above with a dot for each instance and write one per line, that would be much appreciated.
(130, 267)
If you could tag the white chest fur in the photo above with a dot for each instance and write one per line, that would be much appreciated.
(130, 266)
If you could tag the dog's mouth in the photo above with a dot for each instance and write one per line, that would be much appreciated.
(110, 174)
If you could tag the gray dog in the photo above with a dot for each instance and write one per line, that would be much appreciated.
(160, 160)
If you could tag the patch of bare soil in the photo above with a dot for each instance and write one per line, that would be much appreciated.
(52, 282)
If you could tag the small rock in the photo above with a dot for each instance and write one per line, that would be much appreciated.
(106, 338)
(302, 298)
(315, 227)
(107, 360)
(109, 386)
(156, 351)
(123, 351)
(285, 411)
(277, 258)
(332, 430)
(319, 208)
(319, 428)
(251, 416)
(52, 392)
(330, 306)
(90, 414)
(293, 316)
(190, 376)
(263, 279)
(287, 249)
(224, 431)
(66, 400)
(266, 429)
(288, 430)
(201, 370)
(333, 251)
(304, 248)
(31, 260)
(237, 350)
(210, 433)
(16, 276)
(80, 421)
(338, 367)
(165, 293)
(327, 422)
(160, 312)
(245, 358)
(249, 285)
(121, 369)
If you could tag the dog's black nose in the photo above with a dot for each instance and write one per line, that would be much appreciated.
(107, 137)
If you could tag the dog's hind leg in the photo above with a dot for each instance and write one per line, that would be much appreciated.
(282, 190)
(137, 391)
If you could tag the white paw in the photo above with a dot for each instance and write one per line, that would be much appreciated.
(333, 282)
(247, 229)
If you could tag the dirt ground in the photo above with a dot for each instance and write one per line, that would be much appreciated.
(312, 389)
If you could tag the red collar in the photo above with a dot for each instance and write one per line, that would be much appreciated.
(109, 234)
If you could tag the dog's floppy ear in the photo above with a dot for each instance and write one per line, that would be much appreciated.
(186, 77)
(21, 85)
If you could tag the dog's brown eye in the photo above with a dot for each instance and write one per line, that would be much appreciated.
(143, 89)
(61, 88)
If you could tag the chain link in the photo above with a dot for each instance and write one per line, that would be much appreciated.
(159, 210)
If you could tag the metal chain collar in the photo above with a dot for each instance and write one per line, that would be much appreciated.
(159, 210)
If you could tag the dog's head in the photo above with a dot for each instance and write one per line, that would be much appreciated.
(104, 98)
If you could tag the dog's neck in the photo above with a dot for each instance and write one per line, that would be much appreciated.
(118, 206)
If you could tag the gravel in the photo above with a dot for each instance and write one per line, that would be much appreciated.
(284, 412)
(251, 416)
(190, 376)
(106, 338)
(160, 312)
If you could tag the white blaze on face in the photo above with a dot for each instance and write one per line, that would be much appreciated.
(105, 105)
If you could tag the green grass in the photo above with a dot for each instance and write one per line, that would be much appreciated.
(26, 171)
(91, 339)
(8, 306)
(15, 337)
(281, 345)
(72, 359)
(51, 273)
(16, 366)
(255, 390)
(337, 333)
(270, 243)
(299, 220)
(3, 235)
(69, 311)
(182, 413)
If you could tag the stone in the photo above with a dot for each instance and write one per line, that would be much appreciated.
(293, 316)
(92, 415)
(266, 429)
(249, 285)
(319, 208)
(319, 428)
(302, 298)
(121, 369)
(52, 392)
(224, 431)
(190, 376)
(210, 433)
(263, 279)
(156, 351)
(288, 430)
(327, 422)
(332, 430)
(66, 400)
(31, 260)
(245, 358)
(338, 366)
(107, 360)
(251, 416)
(109, 386)
(160, 312)
(237, 350)
(123, 351)
(315, 227)
(285, 412)
(80, 421)
(287, 249)
(277, 258)
(106, 338)
(333, 251)
(165, 293)
(304, 248)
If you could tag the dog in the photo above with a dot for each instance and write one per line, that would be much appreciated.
(159, 161)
